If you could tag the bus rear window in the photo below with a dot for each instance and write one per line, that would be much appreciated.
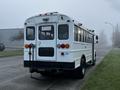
(46, 32)
(30, 33)
(63, 32)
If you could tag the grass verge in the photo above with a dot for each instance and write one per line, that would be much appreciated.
(106, 76)
(11, 53)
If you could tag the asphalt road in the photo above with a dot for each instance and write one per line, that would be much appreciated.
(13, 76)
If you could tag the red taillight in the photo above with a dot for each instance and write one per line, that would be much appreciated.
(30, 46)
(62, 45)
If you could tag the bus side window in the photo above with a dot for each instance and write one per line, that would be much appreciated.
(76, 33)
(91, 38)
(63, 31)
(79, 34)
(87, 37)
(82, 35)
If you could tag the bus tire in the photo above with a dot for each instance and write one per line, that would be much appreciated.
(80, 71)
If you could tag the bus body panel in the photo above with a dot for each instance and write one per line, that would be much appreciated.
(46, 54)
(68, 56)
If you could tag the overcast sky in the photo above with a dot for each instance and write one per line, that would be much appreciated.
(92, 13)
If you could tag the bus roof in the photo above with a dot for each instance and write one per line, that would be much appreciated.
(54, 17)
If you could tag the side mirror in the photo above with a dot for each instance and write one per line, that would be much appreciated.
(96, 38)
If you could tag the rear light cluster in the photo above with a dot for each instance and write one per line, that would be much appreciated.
(63, 46)
(28, 46)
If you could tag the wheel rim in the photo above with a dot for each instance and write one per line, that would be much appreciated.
(83, 70)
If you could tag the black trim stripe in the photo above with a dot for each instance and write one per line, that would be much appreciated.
(50, 65)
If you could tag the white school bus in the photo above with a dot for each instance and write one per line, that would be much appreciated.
(54, 42)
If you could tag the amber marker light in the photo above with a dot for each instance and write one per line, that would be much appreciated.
(26, 46)
(62, 45)
(67, 46)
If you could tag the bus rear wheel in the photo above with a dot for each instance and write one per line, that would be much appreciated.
(80, 71)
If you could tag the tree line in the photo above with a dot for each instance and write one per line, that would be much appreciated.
(103, 41)
(116, 36)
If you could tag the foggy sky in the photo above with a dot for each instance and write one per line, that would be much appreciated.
(92, 13)
(115, 4)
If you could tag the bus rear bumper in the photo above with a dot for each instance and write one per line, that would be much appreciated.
(49, 65)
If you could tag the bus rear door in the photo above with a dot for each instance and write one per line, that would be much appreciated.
(46, 42)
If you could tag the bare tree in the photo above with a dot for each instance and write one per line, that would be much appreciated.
(19, 36)
(116, 37)
(102, 40)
